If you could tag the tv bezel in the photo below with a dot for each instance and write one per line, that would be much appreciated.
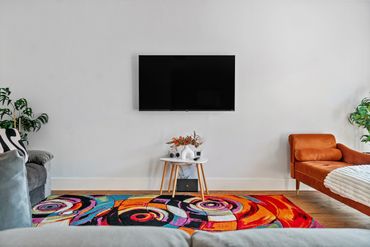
(185, 110)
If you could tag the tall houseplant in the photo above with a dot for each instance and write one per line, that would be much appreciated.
(361, 118)
(18, 114)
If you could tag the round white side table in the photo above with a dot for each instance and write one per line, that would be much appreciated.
(175, 164)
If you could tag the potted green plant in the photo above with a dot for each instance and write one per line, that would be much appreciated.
(361, 118)
(19, 115)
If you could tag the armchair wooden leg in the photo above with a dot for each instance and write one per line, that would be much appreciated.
(297, 187)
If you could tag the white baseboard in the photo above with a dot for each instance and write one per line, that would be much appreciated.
(91, 183)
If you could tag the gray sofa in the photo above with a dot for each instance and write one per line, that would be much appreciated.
(117, 236)
(38, 175)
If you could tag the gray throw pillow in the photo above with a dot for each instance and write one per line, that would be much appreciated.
(15, 206)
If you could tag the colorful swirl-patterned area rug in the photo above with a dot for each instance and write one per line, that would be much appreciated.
(188, 213)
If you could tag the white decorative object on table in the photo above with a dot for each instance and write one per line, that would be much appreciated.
(174, 152)
(187, 153)
(186, 148)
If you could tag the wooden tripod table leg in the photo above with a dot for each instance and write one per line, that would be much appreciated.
(200, 181)
(204, 179)
(171, 175)
(175, 181)
(163, 175)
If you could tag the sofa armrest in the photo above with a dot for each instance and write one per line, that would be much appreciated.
(39, 157)
(353, 157)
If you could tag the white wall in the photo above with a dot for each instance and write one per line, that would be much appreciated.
(301, 66)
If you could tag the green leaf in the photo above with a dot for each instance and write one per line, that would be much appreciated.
(361, 117)
(26, 123)
(20, 104)
(4, 96)
(5, 112)
(5, 91)
(43, 118)
(6, 124)
(27, 111)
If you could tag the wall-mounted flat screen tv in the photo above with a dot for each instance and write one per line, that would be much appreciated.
(186, 83)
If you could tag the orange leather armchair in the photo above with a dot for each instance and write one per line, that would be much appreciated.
(313, 156)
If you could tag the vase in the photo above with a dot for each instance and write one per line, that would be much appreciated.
(187, 153)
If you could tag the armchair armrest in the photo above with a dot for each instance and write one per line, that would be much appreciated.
(353, 157)
(39, 157)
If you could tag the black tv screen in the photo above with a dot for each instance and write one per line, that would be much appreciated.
(186, 83)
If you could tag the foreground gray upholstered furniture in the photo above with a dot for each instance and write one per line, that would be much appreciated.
(15, 208)
(288, 237)
(38, 175)
(117, 236)
(94, 236)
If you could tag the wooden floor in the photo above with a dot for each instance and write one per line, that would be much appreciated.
(327, 211)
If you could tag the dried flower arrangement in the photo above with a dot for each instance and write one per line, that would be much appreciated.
(194, 140)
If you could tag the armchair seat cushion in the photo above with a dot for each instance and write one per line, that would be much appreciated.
(36, 175)
(318, 169)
